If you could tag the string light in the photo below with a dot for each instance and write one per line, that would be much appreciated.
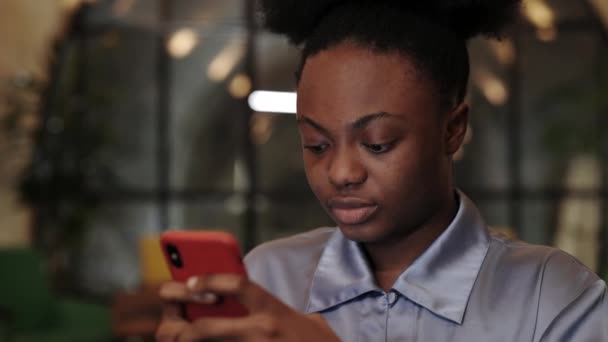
(240, 86)
(503, 50)
(540, 14)
(182, 42)
(493, 88)
(225, 61)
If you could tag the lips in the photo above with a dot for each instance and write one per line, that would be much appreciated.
(351, 210)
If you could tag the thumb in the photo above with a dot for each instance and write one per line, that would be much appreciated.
(251, 295)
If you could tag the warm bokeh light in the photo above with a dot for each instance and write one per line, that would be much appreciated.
(601, 7)
(262, 125)
(224, 62)
(182, 42)
(495, 91)
(492, 87)
(240, 86)
(503, 50)
(539, 13)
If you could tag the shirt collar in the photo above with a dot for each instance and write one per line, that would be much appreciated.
(441, 279)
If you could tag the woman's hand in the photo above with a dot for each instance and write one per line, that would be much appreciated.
(269, 319)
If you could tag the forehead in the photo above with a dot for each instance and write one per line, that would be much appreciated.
(347, 81)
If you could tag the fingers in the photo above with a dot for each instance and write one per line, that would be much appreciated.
(174, 291)
(225, 284)
(172, 311)
(170, 330)
(172, 323)
(250, 327)
(251, 295)
(206, 289)
(254, 327)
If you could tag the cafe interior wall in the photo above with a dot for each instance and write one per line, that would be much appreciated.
(206, 168)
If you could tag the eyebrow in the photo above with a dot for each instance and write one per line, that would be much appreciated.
(301, 119)
(365, 120)
(359, 124)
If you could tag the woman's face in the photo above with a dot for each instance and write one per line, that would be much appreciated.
(376, 147)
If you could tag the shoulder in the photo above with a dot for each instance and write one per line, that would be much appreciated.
(305, 245)
(554, 269)
(568, 299)
(285, 267)
(536, 283)
(551, 278)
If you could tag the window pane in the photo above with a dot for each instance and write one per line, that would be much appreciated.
(276, 62)
(559, 119)
(120, 91)
(108, 260)
(280, 165)
(483, 159)
(282, 217)
(217, 212)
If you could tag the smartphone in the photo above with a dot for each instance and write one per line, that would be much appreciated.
(196, 253)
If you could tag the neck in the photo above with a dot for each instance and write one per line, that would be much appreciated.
(391, 257)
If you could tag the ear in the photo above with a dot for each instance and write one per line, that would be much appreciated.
(456, 128)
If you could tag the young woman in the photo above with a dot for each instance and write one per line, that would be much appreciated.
(381, 111)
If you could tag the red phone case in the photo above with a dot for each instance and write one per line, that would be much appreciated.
(205, 252)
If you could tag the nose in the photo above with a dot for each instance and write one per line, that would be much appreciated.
(346, 170)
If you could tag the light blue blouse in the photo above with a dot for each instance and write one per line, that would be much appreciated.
(469, 285)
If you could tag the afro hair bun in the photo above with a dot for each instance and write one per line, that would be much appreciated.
(297, 19)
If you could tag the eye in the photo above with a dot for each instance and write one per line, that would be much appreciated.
(316, 149)
(379, 148)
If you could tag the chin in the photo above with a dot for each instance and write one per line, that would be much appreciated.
(364, 233)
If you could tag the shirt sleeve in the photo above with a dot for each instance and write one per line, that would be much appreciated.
(584, 320)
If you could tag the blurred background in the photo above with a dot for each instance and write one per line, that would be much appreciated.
(123, 118)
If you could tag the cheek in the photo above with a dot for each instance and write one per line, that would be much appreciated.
(411, 166)
(394, 174)
(315, 175)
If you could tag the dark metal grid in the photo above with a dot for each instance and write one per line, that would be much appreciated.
(163, 130)
(165, 195)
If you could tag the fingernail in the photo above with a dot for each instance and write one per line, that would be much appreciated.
(191, 283)
(205, 298)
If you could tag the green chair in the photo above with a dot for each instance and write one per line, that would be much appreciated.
(30, 312)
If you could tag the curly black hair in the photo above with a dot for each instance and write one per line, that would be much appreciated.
(432, 33)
